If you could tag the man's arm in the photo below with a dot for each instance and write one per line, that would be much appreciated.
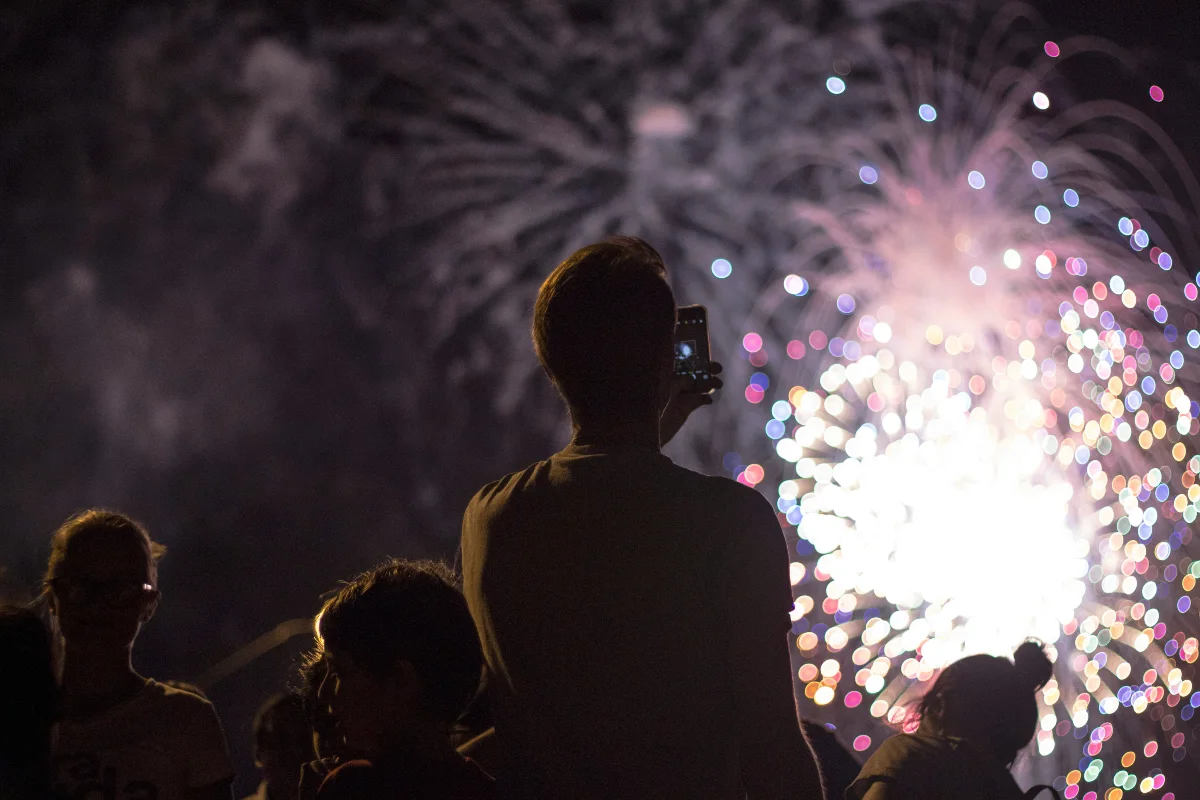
(776, 761)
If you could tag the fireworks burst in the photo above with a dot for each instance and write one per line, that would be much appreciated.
(1028, 470)
(979, 281)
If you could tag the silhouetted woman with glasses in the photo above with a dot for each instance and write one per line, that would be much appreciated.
(122, 735)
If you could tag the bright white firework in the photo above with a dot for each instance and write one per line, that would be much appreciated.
(928, 507)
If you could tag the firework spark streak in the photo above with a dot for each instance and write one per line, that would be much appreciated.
(960, 295)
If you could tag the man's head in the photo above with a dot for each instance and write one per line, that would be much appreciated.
(402, 655)
(604, 328)
(282, 743)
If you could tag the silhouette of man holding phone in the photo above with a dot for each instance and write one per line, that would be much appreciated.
(633, 613)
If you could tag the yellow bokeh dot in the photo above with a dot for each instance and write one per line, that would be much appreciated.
(933, 335)
(1145, 439)
(1178, 452)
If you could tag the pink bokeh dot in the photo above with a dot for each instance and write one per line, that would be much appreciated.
(862, 742)
(1156, 94)
(796, 349)
(1052, 49)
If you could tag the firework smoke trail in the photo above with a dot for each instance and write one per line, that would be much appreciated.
(528, 133)
(927, 241)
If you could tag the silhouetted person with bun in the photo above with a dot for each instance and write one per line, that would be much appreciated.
(122, 735)
(980, 713)
(633, 613)
(28, 705)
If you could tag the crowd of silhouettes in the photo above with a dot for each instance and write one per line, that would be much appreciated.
(620, 629)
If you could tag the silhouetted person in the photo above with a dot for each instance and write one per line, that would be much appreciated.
(283, 744)
(402, 663)
(327, 745)
(837, 764)
(633, 613)
(28, 705)
(122, 735)
(979, 714)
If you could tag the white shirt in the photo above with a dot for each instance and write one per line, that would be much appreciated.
(154, 746)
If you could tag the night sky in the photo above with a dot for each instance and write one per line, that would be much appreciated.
(212, 321)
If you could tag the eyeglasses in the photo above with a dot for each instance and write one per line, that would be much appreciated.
(115, 593)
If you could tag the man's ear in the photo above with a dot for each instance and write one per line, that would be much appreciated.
(150, 607)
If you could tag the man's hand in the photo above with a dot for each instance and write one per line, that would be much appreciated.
(683, 403)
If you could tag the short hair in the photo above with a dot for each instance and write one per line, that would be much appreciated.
(102, 523)
(408, 611)
(991, 693)
(602, 322)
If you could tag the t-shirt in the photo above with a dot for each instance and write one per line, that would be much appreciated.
(457, 778)
(926, 767)
(153, 746)
(634, 619)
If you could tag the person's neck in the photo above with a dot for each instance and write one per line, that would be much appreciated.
(638, 433)
(93, 681)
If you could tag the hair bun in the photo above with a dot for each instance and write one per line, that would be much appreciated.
(1033, 665)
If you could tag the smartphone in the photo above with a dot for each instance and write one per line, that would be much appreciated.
(692, 353)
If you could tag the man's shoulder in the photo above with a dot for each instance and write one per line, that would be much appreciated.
(724, 489)
(497, 492)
